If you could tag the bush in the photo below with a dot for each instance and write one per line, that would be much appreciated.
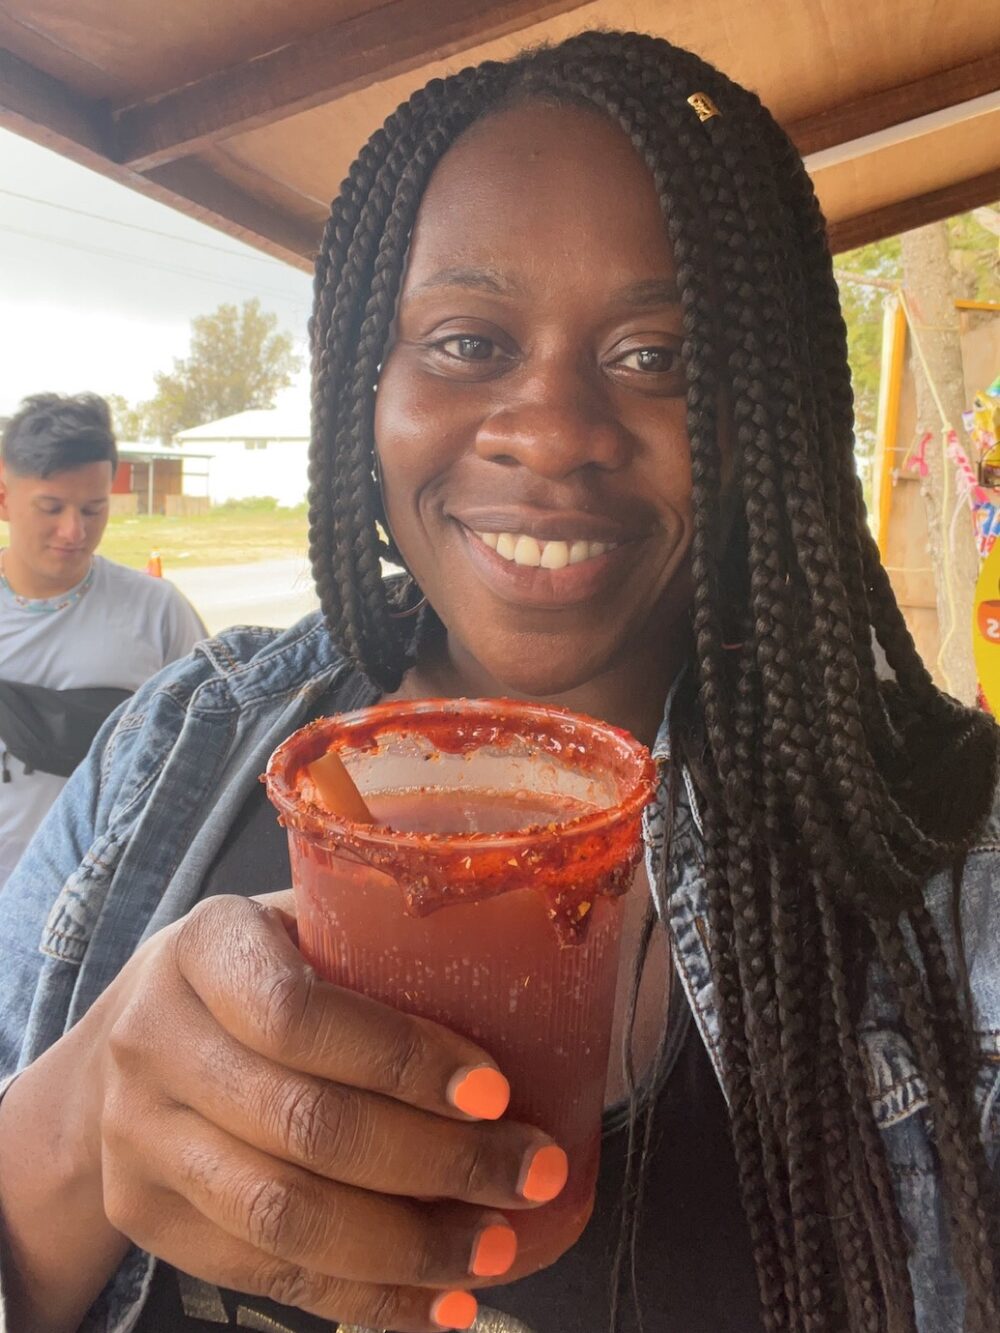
(253, 504)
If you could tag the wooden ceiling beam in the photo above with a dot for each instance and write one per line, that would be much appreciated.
(40, 108)
(388, 41)
(34, 104)
(917, 212)
(253, 220)
(896, 106)
(369, 48)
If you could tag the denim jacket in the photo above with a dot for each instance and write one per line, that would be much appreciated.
(126, 848)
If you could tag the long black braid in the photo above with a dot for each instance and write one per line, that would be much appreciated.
(821, 784)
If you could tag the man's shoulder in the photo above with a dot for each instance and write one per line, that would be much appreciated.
(247, 663)
(154, 607)
(120, 578)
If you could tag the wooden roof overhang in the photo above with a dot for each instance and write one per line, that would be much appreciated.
(246, 113)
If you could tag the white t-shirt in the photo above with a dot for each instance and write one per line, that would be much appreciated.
(125, 627)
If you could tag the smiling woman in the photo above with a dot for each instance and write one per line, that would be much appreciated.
(578, 368)
(547, 514)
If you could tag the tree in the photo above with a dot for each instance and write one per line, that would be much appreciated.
(127, 421)
(238, 359)
(865, 274)
(861, 303)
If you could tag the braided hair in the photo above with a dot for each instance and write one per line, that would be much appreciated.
(830, 796)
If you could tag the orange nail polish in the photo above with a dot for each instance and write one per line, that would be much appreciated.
(494, 1251)
(546, 1175)
(455, 1309)
(482, 1092)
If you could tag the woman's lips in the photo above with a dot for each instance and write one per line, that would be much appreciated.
(581, 576)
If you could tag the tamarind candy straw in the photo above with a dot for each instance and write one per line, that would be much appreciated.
(337, 790)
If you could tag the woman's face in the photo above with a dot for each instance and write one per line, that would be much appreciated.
(530, 416)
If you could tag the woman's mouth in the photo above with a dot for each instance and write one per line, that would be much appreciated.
(545, 572)
(523, 549)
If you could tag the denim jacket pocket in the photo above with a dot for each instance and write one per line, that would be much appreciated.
(895, 1084)
(900, 1102)
(135, 754)
(898, 1089)
(75, 911)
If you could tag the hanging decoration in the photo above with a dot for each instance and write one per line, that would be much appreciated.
(967, 480)
(916, 460)
(982, 423)
(974, 467)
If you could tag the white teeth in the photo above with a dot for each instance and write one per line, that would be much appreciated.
(525, 550)
(555, 555)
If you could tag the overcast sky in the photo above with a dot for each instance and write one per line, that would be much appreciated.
(89, 303)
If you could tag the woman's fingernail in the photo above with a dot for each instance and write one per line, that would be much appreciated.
(544, 1175)
(493, 1251)
(455, 1309)
(482, 1092)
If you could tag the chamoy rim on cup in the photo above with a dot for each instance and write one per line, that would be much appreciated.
(576, 857)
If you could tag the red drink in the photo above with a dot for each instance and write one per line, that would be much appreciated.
(494, 909)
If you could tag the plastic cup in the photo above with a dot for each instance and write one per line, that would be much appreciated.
(488, 897)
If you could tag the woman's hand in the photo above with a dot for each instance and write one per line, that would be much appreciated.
(268, 1132)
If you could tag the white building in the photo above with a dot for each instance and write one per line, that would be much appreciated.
(259, 452)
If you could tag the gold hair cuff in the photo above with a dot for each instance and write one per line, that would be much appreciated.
(703, 105)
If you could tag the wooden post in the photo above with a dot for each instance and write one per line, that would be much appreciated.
(888, 457)
(941, 399)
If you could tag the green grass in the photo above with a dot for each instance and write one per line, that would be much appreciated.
(227, 535)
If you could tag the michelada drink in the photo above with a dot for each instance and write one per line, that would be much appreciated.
(486, 895)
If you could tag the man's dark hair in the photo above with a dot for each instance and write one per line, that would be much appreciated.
(829, 796)
(51, 433)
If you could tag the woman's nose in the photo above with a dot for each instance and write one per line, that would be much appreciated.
(554, 426)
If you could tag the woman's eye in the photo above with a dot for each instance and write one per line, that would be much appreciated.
(468, 348)
(652, 360)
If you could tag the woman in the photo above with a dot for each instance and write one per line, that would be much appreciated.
(576, 344)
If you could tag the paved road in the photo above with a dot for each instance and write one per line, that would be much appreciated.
(267, 592)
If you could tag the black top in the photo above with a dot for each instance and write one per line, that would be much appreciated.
(694, 1261)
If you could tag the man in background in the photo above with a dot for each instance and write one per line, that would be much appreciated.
(78, 633)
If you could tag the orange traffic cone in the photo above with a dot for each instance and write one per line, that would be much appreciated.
(154, 565)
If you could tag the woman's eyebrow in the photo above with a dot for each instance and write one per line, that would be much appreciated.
(645, 294)
(483, 279)
(649, 293)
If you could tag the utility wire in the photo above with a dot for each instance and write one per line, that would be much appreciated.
(135, 226)
(155, 264)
